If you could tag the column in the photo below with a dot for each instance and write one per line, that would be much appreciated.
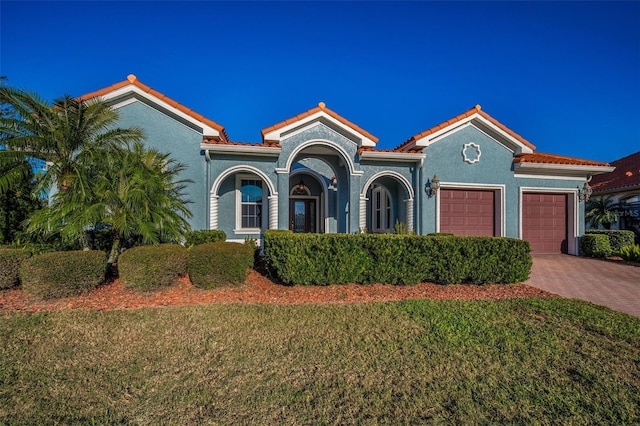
(409, 207)
(213, 214)
(273, 211)
(363, 213)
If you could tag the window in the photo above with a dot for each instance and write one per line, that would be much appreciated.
(381, 210)
(250, 196)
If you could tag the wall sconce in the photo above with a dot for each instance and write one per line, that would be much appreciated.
(585, 193)
(433, 186)
(300, 186)
(334, 183)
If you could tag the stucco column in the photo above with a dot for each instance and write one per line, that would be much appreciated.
(409, 207)
(363, 213)
(213, 211)
(273, 211)
(354, 201)
(283, 194)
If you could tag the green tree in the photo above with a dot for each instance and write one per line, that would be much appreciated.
(135, 192)
(600, 211)
(65, 134)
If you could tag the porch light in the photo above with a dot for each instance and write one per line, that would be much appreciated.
(433, 186)
(301, 185)
(334, 183)
(585, 193)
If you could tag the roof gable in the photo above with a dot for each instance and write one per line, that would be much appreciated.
(319, 114)
(125, 91)
(478, 118)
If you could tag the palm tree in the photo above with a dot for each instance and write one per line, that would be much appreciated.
(64, 134)
(600, 211)
(134, 191)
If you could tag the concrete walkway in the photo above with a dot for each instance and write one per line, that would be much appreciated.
(614, 285)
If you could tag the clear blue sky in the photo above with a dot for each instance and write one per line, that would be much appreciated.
(566, 76)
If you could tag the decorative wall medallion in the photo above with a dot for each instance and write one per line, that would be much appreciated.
(471, 152)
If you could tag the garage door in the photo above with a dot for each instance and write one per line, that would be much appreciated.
(544, 222)
(467, 212)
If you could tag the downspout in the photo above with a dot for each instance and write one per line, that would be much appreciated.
(207, 158)
(419, 198)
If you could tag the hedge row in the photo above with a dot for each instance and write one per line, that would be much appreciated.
(151, 267)
(219, 264)
(194, 238)
(324, 259)
(10, 261)
(617, 238)
(62, 274)
(595, 245)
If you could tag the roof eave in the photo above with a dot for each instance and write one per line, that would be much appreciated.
(262, 151)
(575, 170)
(405, 157)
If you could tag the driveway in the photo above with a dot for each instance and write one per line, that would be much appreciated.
(614, 285)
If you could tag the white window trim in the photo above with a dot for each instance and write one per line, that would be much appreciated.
(500, 223)
(389, 208)
(239, 229)
(573, 225)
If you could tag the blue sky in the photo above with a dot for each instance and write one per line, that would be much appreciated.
(564, 75)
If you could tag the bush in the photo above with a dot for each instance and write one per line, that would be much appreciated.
(151, 267)
(62, 274)
(193, 238)
(219, 264)
(630, 253)
(10, 261)
(595, 245)
(395, 259)
(617, 238)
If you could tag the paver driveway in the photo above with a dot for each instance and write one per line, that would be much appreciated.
(614, 285)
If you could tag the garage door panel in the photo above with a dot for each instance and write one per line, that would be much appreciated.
(467, 212)
(544, 222)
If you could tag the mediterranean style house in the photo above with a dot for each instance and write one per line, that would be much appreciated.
(622, 188)
(319, 172)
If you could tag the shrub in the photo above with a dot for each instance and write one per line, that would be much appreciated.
(617, 238)
(62, 274)
(630, 253)
(395, 259)
(219, 264)
(595, 245)
(151, 267)
(10, 261)
(193, 238)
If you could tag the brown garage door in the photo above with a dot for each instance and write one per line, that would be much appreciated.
(467, 212)
(544, 222)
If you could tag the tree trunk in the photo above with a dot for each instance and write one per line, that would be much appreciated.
(115, 251)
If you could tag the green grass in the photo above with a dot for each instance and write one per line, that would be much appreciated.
(512, 361)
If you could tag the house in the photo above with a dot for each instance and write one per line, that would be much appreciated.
(319, 172)
(622, 187)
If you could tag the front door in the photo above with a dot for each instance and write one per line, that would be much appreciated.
(302, 214)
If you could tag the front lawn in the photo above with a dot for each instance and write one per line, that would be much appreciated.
(515, 360)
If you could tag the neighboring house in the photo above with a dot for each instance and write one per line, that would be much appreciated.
(319, 172)
(622, 186)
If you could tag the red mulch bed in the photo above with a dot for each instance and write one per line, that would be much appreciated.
(259, 289)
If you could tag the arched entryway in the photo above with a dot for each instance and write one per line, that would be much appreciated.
(386, 199)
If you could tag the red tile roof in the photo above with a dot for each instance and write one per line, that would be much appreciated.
(626, 175)
(321, 107)
(475, 110)
(538, 157)
(218, 141)
(133, 80)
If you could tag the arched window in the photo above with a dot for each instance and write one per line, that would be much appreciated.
(380, 210)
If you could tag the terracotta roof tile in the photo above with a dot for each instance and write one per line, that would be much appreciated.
(538, 157)
(626, 175)
(475, 110)
(321, 107)
(132, 79)
(218, 141)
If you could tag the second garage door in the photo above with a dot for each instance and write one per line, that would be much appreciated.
(544, 222)
(467, 212)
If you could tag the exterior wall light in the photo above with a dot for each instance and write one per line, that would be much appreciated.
(585, 193)
(433, 186)
(334, 183)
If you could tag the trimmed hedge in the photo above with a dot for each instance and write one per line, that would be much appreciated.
(63, 273)
(323, 259)
(10, 261)
(595, 245)
(151, 267)
(617, 238)
(194, 238)
(630, 253)
(219, 264)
